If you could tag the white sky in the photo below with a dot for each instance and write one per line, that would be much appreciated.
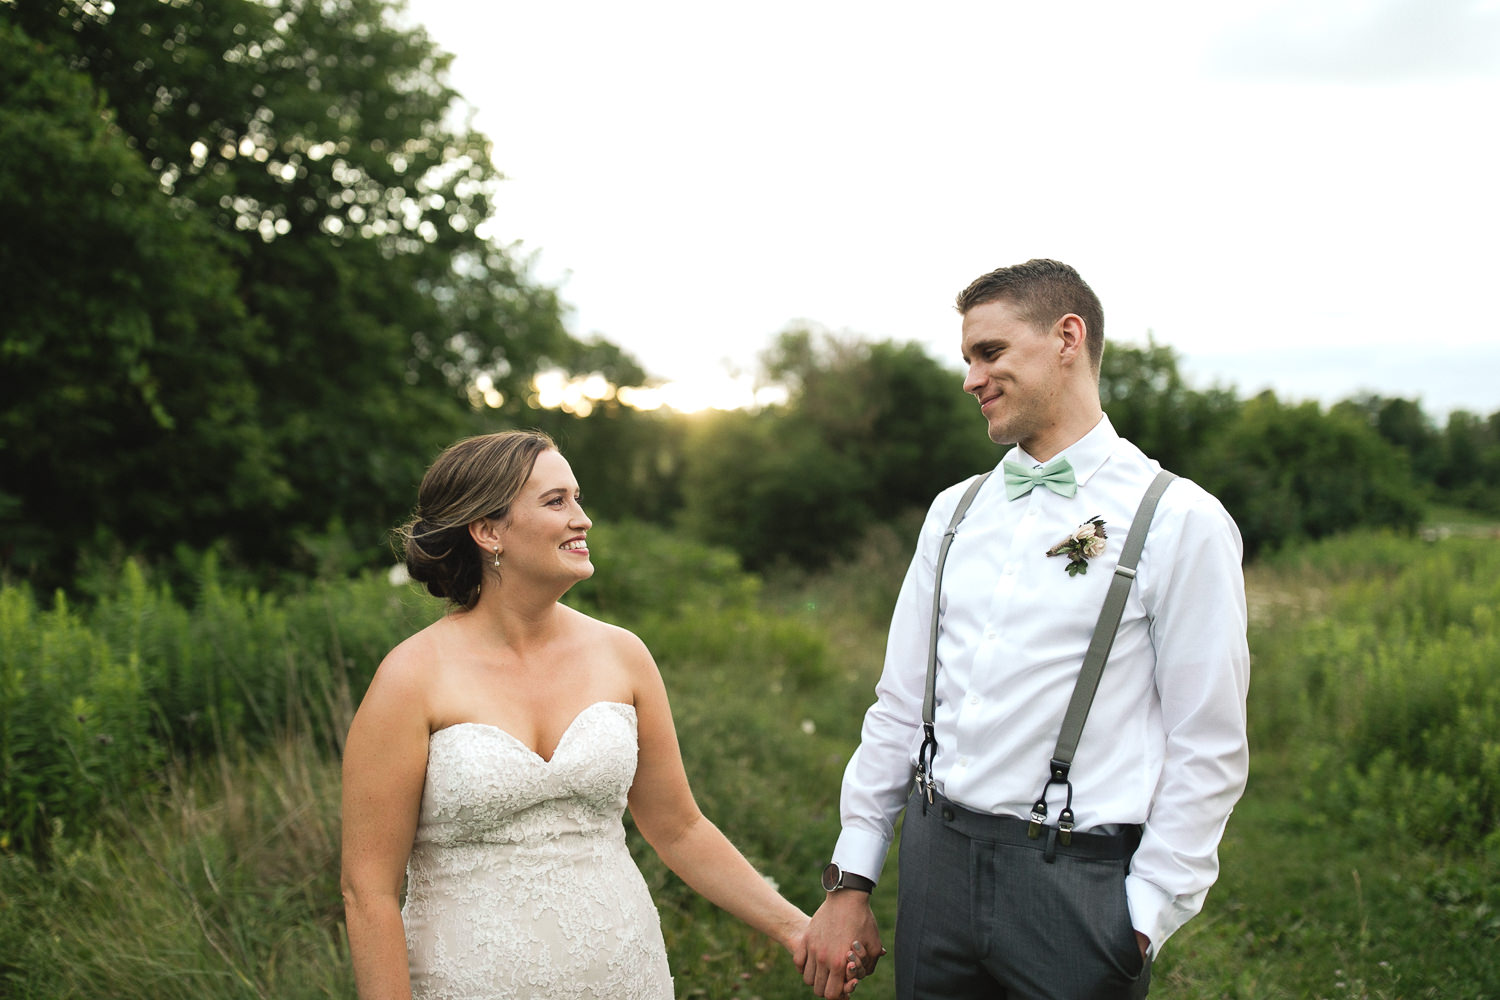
(1298, 194)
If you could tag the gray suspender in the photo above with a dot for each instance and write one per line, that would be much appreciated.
(1088, 677)
(1093, 668)
(929, 740)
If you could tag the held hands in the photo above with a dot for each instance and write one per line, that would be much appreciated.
(860, 965)
(843, 944)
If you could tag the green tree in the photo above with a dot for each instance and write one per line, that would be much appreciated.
(120, 362)
(900, 415)
(1148, 402)
(1468, 469)
(322, 268)
(628, 462)
(1290, 472)
(1403, 424)
(868, 432)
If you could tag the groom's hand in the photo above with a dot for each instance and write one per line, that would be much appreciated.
(844, 918)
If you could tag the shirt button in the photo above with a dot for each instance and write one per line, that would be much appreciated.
(973, 699)
(989, 634)
(963, 762)
(1010, 568)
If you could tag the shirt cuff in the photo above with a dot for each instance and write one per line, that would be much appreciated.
(1151, 912)
(861, 853)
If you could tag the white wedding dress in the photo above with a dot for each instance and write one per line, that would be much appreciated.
(520, 883)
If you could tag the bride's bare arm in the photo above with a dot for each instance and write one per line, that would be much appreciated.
(665, 812)
(385, 763)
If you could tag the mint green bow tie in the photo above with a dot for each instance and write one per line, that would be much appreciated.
(1057, 477)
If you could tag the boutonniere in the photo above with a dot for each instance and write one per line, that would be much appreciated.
(1082, 545)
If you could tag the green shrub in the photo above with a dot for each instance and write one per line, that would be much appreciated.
(1373, 713)
(75, 722)
(94, 700)
(1388, 683)
(225, 886)
(221, 879)
(1288, 473)
(642, 569)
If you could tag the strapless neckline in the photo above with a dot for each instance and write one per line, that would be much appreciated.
(520, 883)
(522, 744)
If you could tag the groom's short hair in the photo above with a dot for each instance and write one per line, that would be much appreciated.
(1042, 291)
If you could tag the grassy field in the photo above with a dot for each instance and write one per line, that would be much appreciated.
(201, 860)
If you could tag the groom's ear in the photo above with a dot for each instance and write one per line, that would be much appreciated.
(1072, 338)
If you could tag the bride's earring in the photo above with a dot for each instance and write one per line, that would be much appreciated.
(497, 557)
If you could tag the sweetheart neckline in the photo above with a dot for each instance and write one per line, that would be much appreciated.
(527, 746)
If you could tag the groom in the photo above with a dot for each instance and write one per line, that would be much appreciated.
(996, 897)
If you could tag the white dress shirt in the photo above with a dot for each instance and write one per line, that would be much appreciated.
(1164, 745)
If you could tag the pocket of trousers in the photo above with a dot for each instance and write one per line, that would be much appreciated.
(1074, 907)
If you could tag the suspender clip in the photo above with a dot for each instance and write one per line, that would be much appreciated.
(924, 765)
(1038, 819)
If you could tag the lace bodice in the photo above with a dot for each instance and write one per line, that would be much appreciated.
(519, 882)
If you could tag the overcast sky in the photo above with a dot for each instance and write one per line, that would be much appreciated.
(1295, 194)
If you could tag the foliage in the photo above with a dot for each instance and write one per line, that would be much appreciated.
(1400, 668)
(643, 570)
(869, 431)
(74, 723)
(219, 880)
(1470, 470)
(219, 877)
(1403, 424)
(1303, 909)
(147, 354)
(628, 462)
(262, 294)
(1362, 861)
(225, 885)
(1292, 472)
(1149, 403)
(260, 288)
(1459, 461)
(94, 701)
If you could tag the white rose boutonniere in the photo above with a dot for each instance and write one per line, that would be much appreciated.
(1082, 545)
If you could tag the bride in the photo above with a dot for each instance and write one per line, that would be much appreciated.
(492, 757)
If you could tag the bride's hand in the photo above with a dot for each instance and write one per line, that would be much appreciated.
(859, 966)
(796, 943)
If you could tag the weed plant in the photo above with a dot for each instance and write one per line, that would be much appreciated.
(94, 700)
(205, 862)
(213, 870)
(1388, 680)
(224, 885)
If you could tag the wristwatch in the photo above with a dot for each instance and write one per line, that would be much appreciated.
(835, 878)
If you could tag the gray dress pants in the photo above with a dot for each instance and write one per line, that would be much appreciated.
(982, 915)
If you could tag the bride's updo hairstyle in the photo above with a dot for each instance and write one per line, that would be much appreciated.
(477, 478)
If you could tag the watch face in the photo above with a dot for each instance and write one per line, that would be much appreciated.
(831, 877)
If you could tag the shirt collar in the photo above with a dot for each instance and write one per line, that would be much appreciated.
(1086, 455)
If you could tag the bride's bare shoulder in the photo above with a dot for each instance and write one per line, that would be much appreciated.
(418, 647)
(410, 669)
(619, 642)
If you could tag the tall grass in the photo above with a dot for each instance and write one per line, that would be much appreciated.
(94, 701)
(225, 885)
(1384, 676)
(1362, 862)
(212, 869)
